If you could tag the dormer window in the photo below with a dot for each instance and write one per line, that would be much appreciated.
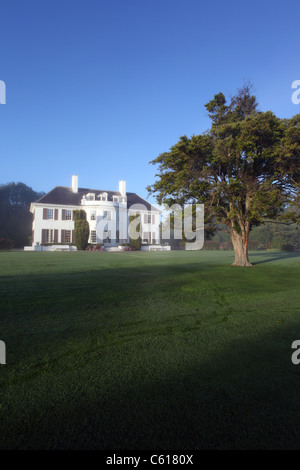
(103, 197)
(115, 199)
(90, 196)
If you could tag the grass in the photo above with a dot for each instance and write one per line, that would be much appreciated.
(143, 350)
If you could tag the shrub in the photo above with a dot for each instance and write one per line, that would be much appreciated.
(287, 247)
(135, 244)
(6, 244)
(82, 229)
(211, 245)
(225, 246)
(79, 214)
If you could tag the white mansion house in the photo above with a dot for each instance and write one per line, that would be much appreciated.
(107, 213)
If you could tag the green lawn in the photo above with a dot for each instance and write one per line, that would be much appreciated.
(159, 351)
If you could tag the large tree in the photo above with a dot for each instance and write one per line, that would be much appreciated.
(245, 169)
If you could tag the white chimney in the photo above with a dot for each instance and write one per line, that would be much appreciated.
(122, 188)
(75, 184)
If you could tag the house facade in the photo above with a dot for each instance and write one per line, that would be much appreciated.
(107, 213)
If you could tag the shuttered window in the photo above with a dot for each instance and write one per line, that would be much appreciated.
(146, 237)
(93, 236)
(49, 236)
(66, 236)
(48, 213)
(68, 214)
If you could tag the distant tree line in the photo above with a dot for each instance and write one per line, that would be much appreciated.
(15, 218)
(285, 237)
(282, 236)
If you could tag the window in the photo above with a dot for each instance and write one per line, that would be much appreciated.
(107, 215)
(68, 214)
(67, 236)
(49, 214)
(107, 236)
(147, 218)
(93, 236)
(103, 197)
(115, 199)
(49, 236)
(90, 196)
(146, 237)
(93, 215)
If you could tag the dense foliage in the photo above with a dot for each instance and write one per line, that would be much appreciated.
(15, 218)
(135, 240)
(6, 244)
(82, 229)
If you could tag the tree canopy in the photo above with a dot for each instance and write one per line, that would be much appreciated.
(245, 169)
(15, 218)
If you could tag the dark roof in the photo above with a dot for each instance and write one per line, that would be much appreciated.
(62, 195)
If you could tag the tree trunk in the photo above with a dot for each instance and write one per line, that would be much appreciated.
(240, 245)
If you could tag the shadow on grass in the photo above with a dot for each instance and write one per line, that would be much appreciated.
(236, 395)
(169, 382)
(275, 256)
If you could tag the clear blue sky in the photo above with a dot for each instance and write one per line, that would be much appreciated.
(99, 88)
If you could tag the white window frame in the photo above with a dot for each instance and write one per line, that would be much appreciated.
(107, 236)
(68, 214)
(49, 214)
(49, 235)
(107, 215)
(68, 236)
(148, 221)
(93, 236)
(146, 239)
(103, 197)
